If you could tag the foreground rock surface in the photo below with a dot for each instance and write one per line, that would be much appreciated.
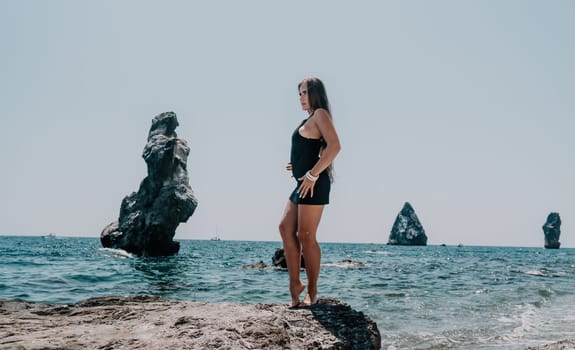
(407, 229)
(142, 322)
(552, 231)
(149, 218)
(561, 345)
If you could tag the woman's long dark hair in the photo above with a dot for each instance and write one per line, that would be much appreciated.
(316, 94)
(318, 99)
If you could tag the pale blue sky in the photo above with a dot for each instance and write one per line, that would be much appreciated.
(463, 108)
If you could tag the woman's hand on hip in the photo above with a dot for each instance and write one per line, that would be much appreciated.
(305, 187)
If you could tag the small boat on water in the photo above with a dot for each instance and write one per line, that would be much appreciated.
(215, 237)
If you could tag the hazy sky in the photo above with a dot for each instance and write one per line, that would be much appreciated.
(465, 109)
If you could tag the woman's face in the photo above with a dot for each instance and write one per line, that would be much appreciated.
(303, 98)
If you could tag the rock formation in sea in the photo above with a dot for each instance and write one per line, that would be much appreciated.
(552, 230)
(279, 259)
(149, 218)
(142, 322)
(407, 229)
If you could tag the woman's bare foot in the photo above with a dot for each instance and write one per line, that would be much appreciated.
(310, 300)
(295, 294)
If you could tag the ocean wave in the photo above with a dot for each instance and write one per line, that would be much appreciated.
(373, 251)
(534, 273)
(544, 273)
(545, 292)
(523, 323)
(117, 252)
(346, 264)
(396, 295)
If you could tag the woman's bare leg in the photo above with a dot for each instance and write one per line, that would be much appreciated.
(308, 220)
(292, 250)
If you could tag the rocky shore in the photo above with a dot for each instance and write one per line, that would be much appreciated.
(143, 322)
(562, 345)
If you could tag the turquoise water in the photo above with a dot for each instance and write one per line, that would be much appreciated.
(430, 297)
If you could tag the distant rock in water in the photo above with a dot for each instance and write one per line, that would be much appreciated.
(407, 229)
(279, 259)
(552, 230)
(149, 218)
(257, 266)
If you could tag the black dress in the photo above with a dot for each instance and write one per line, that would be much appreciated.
(304, 155)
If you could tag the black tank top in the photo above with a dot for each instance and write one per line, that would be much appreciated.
(304, 152)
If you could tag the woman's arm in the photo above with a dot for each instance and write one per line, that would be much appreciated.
(327, 130)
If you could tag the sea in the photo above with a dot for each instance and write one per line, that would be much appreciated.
(432, 297)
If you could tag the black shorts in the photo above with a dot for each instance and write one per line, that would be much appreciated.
(320, 192)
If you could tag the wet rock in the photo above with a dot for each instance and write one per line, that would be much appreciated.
(149, 218)
(351, 263)
(141, 322)
(279, 259)
(552, 230)
(257, 266)
(407, 229)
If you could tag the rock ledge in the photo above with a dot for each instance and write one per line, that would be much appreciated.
(142, 322)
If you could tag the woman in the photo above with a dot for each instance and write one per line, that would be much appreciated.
(314, 146)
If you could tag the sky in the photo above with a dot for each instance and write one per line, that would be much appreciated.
(465, 109)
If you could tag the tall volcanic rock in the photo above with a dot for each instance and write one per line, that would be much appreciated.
(407, 229)
(149, 218)
(552, 230)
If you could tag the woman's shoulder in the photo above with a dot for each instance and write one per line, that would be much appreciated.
(321, 113)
